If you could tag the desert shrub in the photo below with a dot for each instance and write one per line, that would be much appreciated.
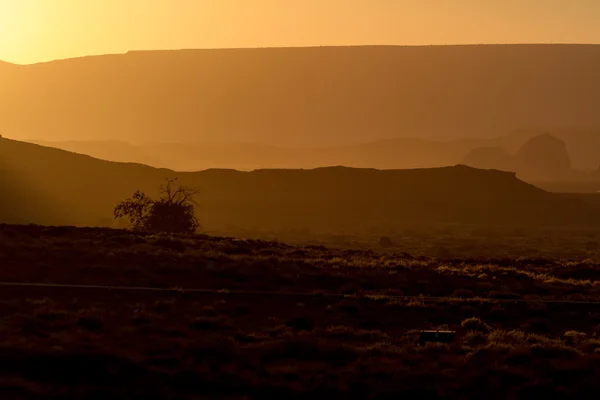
(489, 353)
(590, 345)
(385, 242)
(167, 216)
(555, 351)
(574, 337)
(475, 324)
(173, 212)
(430, 349)
(506, 337)
(474, 338)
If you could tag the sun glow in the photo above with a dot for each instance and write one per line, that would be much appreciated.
(5, 23)
(42, 30)
(21, 24)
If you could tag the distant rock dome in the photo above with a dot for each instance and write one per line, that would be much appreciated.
(490, 158)
(543, 156)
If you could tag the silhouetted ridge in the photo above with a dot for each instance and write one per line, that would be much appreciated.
(75, 189)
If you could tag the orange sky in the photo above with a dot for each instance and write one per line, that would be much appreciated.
(39, 30)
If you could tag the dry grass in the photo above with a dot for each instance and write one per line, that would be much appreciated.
(71, 343)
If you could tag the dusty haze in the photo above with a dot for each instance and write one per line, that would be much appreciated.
(318, 199)
(306, 96)
(40, 30)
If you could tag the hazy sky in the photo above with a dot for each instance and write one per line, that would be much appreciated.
(40, 30)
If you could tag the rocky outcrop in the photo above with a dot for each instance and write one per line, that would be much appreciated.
(541, 158)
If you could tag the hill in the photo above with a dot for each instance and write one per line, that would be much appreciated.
(46, 185)
(285, 96)
(111, 150)
(583, 148)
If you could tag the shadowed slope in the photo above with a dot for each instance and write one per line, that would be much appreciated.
(329, 199)
(108, 150)
(84, 187)
(286, 95)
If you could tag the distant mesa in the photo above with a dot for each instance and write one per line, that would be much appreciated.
(541, 158)
(66, 188)
(306, 96)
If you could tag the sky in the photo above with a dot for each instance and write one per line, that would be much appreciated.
(41, 30)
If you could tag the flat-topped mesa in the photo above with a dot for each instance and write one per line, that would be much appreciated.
(316, 95)
(48, 185)
(542, 158)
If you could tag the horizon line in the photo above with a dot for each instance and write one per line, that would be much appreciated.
(297, 47)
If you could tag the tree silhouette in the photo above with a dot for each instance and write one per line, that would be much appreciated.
(173, 212)
(136, 209)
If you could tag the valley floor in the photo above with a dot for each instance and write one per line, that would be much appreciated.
(257, 319)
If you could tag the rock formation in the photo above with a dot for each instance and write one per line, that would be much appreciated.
(541, 158)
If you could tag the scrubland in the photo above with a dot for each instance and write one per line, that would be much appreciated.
(193, 316)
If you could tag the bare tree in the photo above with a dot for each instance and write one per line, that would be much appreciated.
(173, 212)
(137, 209)
(180, 195)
